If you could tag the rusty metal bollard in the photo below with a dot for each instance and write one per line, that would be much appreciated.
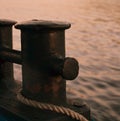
(6, 68)
(44, 65)
(45, 69)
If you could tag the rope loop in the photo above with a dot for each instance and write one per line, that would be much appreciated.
(51, 107)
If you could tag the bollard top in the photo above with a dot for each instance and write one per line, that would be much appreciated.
(6, 22)
(42, 24)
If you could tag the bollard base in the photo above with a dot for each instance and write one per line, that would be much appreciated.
(10, 105)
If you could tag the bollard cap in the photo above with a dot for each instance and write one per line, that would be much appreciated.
(7, 22)
(70, 68)
(42, 24)
(67, 67)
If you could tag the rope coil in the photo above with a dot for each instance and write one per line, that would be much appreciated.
(51, 107)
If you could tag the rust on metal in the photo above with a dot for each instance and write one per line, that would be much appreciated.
(10, 55)
(43, 24)
(43, 42)
(45, 69)
(6, 68)
(6, 22)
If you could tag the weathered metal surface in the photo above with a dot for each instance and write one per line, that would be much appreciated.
(12, 106)
(44, 69)
(42, 43)
(42, 24)
(6, 22)
(70, 68)
(6, 68)
(10, 55)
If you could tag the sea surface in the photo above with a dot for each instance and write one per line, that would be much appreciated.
(93, 39)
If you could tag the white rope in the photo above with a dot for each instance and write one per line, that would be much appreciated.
(51, 107)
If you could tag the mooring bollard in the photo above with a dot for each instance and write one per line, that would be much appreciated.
(45, 70)
(44, 64)
(6, 68)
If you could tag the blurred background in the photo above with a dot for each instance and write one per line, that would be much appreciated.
(93, 39)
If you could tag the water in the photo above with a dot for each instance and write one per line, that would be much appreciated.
(94, 40)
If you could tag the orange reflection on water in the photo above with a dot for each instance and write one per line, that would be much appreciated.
(94, 39)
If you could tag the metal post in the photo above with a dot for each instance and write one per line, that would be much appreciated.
(44, 65)
(44, 69)
(6, 68)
